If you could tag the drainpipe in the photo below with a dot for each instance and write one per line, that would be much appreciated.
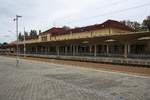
(95, 51)
(73, 50)
(107, 50)
(57, 48)
(66, 51)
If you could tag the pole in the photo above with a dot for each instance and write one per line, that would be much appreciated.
(17, 47)
(24, 43)
(17, 58)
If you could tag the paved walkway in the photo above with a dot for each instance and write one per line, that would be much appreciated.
(35, 80)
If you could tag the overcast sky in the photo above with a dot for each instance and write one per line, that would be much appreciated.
(44, 14)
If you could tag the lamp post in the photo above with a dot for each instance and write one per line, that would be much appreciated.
(17, 53)
(24, 43)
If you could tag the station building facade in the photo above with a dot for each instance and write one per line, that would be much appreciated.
(109, 39)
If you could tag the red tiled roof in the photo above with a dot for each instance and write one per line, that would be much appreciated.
(12, 42)
(54, 30)
(106, 24)
(118, 25)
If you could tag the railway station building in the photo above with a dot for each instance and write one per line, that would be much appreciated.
(110, 39)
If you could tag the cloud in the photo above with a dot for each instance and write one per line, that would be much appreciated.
(42, 14)
(7, 37)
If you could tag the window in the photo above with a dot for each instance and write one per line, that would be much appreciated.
(44, 38)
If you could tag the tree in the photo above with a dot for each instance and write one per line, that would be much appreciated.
(19, 36)
(66, 27)
(33, 33)
(146, 23)
(26, 33)
(39, 31)
(5, 43)
(133, 24)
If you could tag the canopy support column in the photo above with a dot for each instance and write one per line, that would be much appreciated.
(95, 50)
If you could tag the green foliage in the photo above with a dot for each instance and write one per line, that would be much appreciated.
(146, 23)
(26, 33)
(5, 43)
(144, 26)
(133, 24)
(33, 33)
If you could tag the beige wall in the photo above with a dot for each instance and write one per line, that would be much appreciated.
(88, 34)
(40, 38)
(29, 41)
(116, 31)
